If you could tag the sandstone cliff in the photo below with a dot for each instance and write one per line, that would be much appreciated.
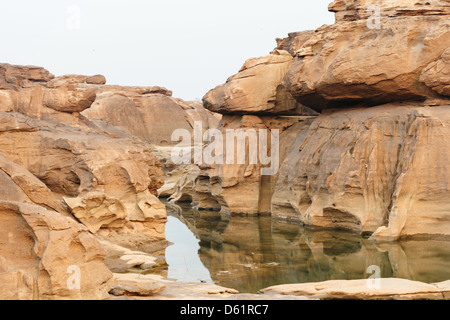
(81, 187)
(375, 161)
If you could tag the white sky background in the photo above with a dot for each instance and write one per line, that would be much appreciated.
(188, 47)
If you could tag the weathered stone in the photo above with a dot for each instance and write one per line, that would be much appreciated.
(365, 169)
(437, 74)
(73, 163)
(24, 75)
(69, 98)
(39, 252)
(294, 42)
(122, 260)
(76, 79)
(351, 62)
(134, 285)
(18, 184)
(257, 89)
(391, 289)
(351, 10)
(242, 188)
(97, 210)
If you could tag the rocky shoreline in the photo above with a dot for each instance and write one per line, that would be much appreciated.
(363, 116)
(156, 288)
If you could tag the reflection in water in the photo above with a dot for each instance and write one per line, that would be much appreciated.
(182, 257)
(252, 253)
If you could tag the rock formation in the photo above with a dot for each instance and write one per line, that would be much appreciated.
(360, 61)
(152, 115)
(392, 289)
(257, 89)
(375, 160)
(362, 110)
(70, 184)
(40, 247)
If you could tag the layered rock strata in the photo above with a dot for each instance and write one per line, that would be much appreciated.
(68, 182)
(375, 160)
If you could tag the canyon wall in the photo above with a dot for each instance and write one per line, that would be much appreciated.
(363, 110)
(82, 164)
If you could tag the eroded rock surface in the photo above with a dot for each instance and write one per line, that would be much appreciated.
(40, 250)
(358, 61)
(58, 169)
(363, 169)
(392, 289)
(257, 89)
(361, 164)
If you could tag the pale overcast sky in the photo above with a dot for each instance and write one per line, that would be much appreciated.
(187, 46)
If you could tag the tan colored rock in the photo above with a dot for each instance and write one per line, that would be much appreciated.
(76, 79)
(97, 210)
(256, 89)
(241, 188)
(445, 288)
(24, 75)
(350, 10)
(119, 110)
(72, 163)
(437, 74)
(44, 103)
(154, 287)
(137, 90)
(294, 41)
(391, 289)
(69, 98)
(18, 184)
(135, 285)
(41, 252)
(330, 71)
(17, 122)
(145, 116)
(367, 171)
(97, 79)
(184, 184)
(122, 260)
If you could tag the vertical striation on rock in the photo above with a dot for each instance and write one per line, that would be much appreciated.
(375, 160)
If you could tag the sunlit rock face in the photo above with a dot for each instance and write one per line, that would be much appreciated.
(367, 170)
(257, 89)
(40, 249)
(373, 54)
(70, 181)
(379, 78)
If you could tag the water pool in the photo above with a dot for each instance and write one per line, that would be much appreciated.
(252, 253)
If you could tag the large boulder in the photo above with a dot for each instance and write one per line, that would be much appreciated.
(69, 97)
(257, 89)
(360, 61)
(24, 75)
(145, 115)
